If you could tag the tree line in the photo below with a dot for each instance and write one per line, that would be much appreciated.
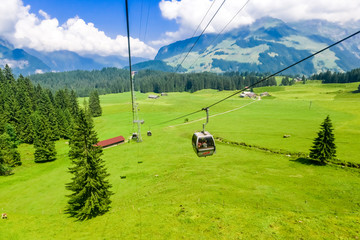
(337, 77)
(114, 80)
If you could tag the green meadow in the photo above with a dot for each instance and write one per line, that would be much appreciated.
(238, 193)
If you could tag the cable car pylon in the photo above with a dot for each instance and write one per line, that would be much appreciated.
(136, 135)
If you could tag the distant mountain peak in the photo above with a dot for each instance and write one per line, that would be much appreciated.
(266, 22)
(267, 45)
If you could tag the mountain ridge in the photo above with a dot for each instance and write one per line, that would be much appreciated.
(267, 45)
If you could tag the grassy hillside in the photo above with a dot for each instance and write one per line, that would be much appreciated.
(238, 193)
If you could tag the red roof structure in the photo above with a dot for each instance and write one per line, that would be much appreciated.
(111, 142)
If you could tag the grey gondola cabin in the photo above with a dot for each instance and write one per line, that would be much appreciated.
(203, 144)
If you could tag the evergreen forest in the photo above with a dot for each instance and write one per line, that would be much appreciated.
(34, 115)
(337, 77)
(114, 80)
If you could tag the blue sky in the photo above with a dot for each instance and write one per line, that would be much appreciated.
(99, 26)
(109, 15)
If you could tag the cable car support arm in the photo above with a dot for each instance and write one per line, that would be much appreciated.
(207, 118)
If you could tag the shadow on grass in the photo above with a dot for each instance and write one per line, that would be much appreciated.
(308, 161)
(41, 162)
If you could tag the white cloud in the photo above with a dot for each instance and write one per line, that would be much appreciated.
(44, 14)
(9, 14)
(43, 33)
(13, 63)
(188, 13)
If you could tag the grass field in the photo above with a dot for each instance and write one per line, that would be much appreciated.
(239, 193)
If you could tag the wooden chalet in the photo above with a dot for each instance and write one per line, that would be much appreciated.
(111, 142)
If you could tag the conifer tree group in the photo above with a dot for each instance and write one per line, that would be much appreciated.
(35, 116)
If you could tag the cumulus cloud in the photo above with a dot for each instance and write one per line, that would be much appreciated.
(188, 13)
(13, 63)
(44, 33)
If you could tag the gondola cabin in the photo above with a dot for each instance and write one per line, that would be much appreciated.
(134, 136)
(203, 144)
(149, 133)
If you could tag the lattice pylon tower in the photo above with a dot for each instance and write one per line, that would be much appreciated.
(136, 119)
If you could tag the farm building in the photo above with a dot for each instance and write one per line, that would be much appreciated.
(153, 96)
(264, 94)
(111, 142)
(248, 94)
(164, 94)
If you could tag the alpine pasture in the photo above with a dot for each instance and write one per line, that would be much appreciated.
(262, 191)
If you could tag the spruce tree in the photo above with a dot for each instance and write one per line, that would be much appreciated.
(303, 79)
(324, 149)
(94, 104)
(9, 155)
(25, 129)
(10, 104)
(74, 105)
(43, 143)
(63, 115)
(91, 194)
(46, 109)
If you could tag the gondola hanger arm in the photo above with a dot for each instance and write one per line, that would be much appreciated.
(207, 118)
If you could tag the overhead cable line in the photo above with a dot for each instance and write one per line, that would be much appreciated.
(130, 73)
(199, 36)
(198, 28)
(263, 79)
(199, 25)
(237, 13)
(147, 20)
(141, 14)
(203, 18)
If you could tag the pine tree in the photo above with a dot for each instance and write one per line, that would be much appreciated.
(94, 104)
(9, 156)
(74, 105)
(63, 115)
(324, 149)
(303, 79)
(25, 129)
(43, 143)
(91, 194)
(10, 103)
(46, 109)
